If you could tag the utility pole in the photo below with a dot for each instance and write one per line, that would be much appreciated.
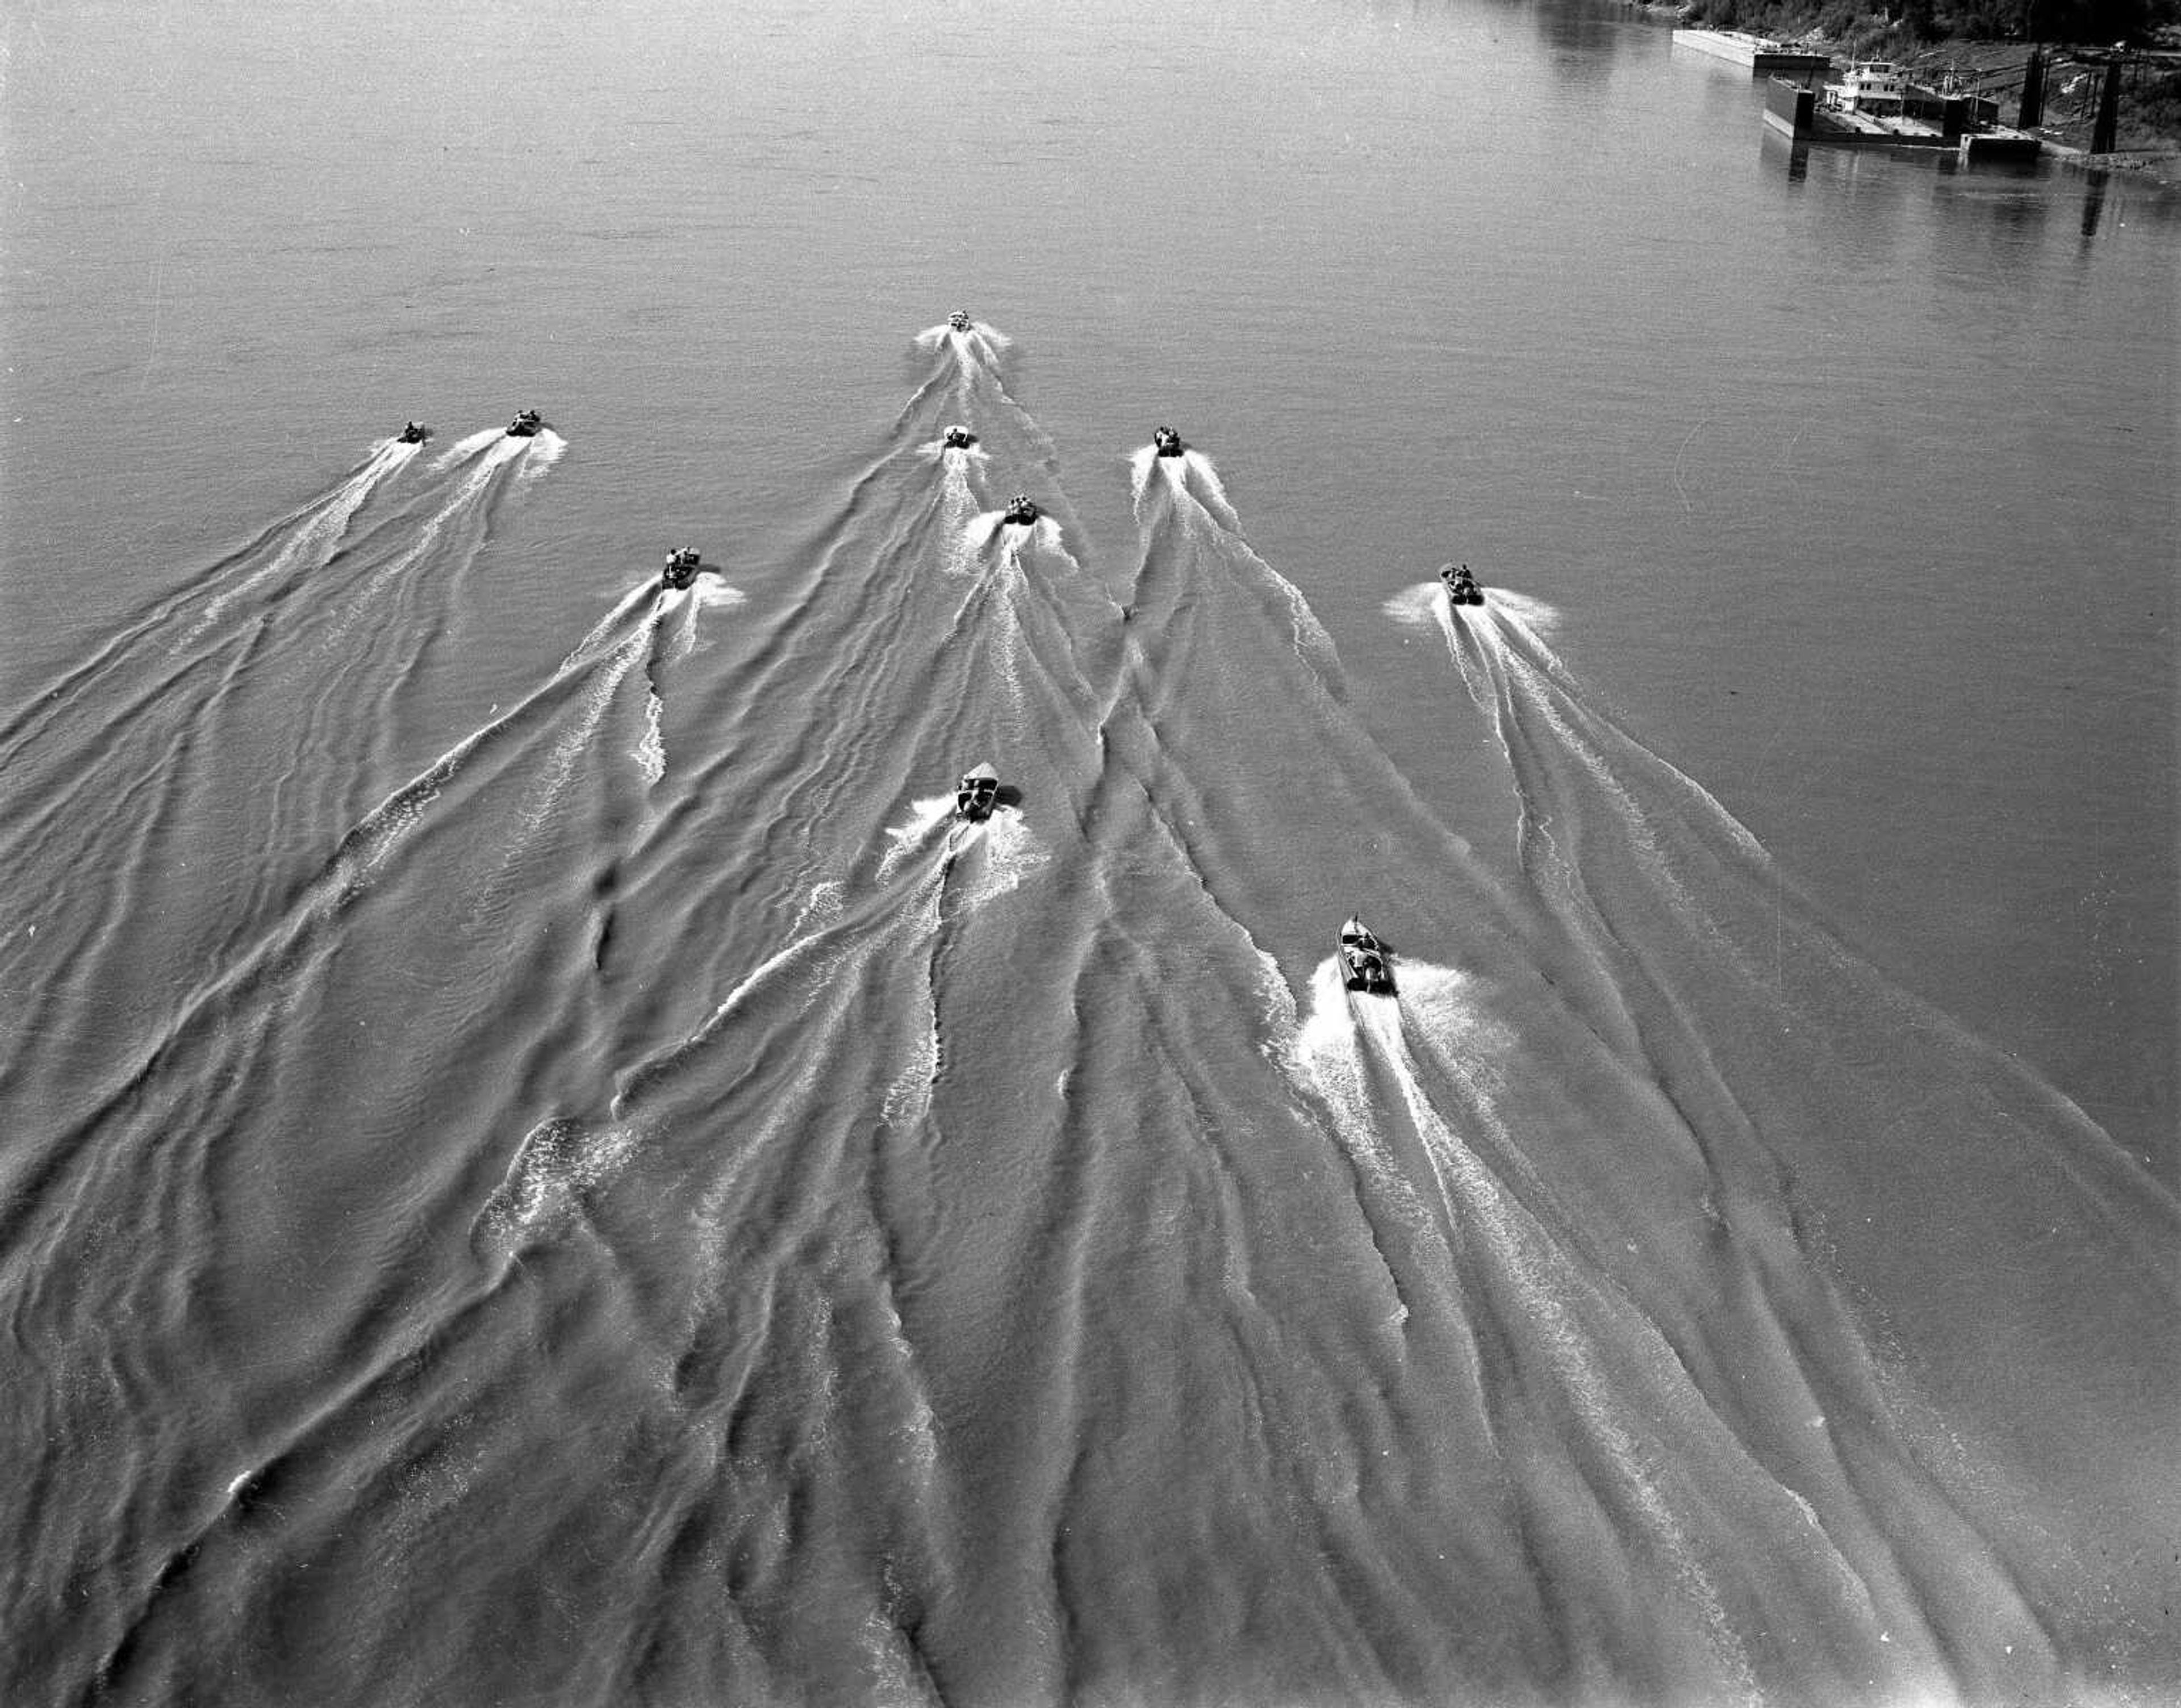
(2106, 130)
(2033, 92)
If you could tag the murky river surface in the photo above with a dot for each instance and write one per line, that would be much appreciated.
(541, 1163)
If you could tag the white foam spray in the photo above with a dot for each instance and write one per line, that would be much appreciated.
(1325, 1051)
(557, 1163)
(610, 623)
(463, 449)
(1011, 854)
(958, 506)
(546, 448)
(1419, 607)
(905, 838)
(1205, 478)
(312, 545)
(1539, 1288)
(470, 490)
(651, 748)
(543, 795)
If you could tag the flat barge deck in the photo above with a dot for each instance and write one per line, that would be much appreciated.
(1797, 112)
(1762, 55)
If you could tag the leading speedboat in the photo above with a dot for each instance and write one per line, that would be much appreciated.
(1166, 441)
(1462, 588)
(525, 425)
(1020, 512)
(415, 433)
(959, 320)
(1366, 964)
(957, 438)
(977, 794)
(682, 564)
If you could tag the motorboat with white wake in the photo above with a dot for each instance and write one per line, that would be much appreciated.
(412, 433)
(1167, 442)
(526, 424)
(959, 320)
(1366, 964)
(1462, 588)
(976, 794)
(1020, 512)
(957, 438)
(682, 564)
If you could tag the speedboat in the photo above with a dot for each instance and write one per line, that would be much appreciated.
(959, 438)
(977, 794)
(525, 425)
(959, 320)
(1020, 511)
(682, 564)
(412, 434)
(1166, 441)
(1365, 963)
(1462, 588)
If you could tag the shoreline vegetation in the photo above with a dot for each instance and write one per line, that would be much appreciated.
(1987, 44)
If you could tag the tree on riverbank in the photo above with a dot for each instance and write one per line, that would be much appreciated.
(1935, 20)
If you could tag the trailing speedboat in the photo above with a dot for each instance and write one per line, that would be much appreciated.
(682, 564)
(1020, 511)
(1166, 441)
(977, 794)
(1365, 964)
(525, 425)
(959, 438)
(1462, 588)
(412, 434)
(959, 320)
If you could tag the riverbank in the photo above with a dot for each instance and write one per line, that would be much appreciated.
(2149, 138)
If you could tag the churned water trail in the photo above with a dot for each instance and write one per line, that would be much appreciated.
(211, 1099)
(297, 542)
(310, 545)
(1817, 1089)
(791, 1241)
(240, 713)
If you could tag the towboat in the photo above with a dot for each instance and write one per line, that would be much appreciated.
(1875, 86)
(1462, 588)
(1166, 441)
(682, 564)
(959, 320)
(959, 438)
(412, 434)
(1020, 511)
(1365, 964)
(525, 425)
(977, 794)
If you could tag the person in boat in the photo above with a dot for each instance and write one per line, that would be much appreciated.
(1462, 588)
(682, 564)
(959, 320)
(1020, 511)
(977, 794)
(1166, 441)
(959, 438)
(525, 425)
(412, 434)
(1365, 964)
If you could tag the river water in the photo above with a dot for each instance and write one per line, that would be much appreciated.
(542, 1164)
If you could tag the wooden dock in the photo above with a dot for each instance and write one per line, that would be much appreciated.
(1762, 55)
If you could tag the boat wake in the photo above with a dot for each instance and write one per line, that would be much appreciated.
(802, 1237)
